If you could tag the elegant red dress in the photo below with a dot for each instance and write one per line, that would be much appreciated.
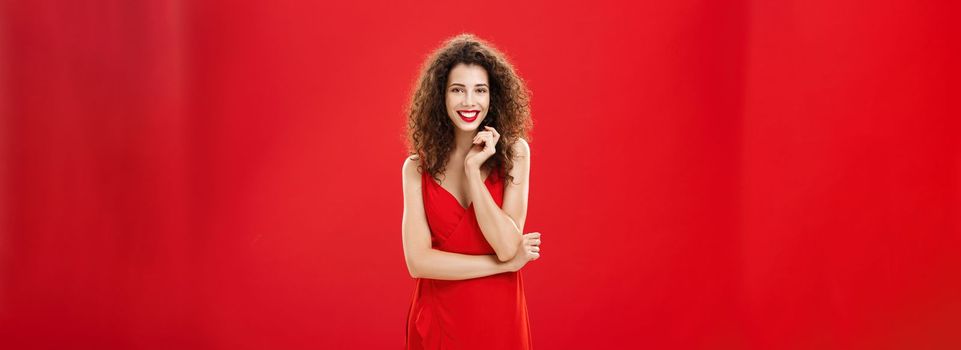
(480, 313)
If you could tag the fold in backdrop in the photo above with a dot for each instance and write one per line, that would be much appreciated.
(706, 175)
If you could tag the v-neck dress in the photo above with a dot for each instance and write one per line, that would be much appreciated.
(480, 313)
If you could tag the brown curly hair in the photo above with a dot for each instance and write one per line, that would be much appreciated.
(430, 133)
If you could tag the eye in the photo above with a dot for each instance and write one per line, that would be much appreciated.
(483, 91)
(456, 89)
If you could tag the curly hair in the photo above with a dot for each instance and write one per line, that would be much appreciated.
(430, 134)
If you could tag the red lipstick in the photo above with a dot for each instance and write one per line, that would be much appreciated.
(468, 115)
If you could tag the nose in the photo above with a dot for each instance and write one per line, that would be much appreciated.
(469, 100)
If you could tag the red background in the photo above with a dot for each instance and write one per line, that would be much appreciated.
(706, 175)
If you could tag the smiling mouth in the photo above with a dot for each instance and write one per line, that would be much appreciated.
(468, 116)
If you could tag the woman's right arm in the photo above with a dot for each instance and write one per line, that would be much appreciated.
(423, 261)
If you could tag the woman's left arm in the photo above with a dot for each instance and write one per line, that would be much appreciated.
(503, 227)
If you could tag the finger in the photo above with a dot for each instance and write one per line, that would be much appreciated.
(479, 138)
(534, 256)
(497, 135)
(536, 249)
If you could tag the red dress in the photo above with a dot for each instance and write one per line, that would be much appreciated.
(480, 313)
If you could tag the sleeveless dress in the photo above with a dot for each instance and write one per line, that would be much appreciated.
(480, 313)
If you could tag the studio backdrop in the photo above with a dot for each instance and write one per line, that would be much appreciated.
(706, 175)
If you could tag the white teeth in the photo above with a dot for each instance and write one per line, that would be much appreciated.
(468, 114)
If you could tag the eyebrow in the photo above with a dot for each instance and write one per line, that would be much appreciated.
(484, 85)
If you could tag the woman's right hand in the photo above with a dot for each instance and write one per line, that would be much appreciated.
(529, 250)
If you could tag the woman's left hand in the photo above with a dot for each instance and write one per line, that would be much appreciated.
(482, 149)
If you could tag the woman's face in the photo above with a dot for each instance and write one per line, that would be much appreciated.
(468, 96)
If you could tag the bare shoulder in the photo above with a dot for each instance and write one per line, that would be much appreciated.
(520, 172)
(521, 148)
(411, 170)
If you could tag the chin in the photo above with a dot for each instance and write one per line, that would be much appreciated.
(465, 126)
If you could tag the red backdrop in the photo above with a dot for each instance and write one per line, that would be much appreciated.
(706, 175)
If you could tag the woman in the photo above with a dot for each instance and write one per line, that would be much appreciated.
(465, 201)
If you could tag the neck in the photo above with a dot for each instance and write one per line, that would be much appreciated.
(463, 140)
